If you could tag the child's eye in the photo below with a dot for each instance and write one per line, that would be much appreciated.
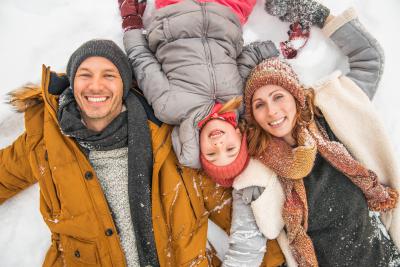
(230, 149)
(210, 154)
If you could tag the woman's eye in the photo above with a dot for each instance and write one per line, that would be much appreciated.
(259, 105)
(109, 76)
(277, 97)
(85, 75)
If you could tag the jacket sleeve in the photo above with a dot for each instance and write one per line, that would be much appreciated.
(15, 170)
(253, 54)
(185, 141)
(247, 244)
(218, 202)
(365, 55)
(148, 73)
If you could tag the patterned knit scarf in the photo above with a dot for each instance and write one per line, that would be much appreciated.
(293, 164)
(130, 129)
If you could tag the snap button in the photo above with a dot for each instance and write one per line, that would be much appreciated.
(109, 232)
(88, 175)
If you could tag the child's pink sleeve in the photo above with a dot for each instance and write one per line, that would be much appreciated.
(163, 3)
(242, 8)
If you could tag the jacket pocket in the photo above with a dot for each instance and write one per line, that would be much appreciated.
(79, 252)
(45, 178)
(199, 260)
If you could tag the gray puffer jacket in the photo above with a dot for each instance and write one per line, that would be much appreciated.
(193, 56)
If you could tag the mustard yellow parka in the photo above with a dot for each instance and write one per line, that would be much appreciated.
(75, 209)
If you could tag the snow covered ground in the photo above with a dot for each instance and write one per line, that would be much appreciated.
(47, 32)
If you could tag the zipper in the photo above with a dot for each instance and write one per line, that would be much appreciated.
(207, 50)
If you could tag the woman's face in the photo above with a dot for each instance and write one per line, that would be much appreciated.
(274, 109)
(220, 142)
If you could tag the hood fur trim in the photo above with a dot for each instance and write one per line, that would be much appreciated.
(24, 97)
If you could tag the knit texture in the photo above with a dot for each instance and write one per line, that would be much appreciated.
(101, 48)
(224, 175)
(293, 164)
(229, 117)
(342, 228)
(307, 12)
(290, 165)
(112, 170)
(272, 71)
(129, 128)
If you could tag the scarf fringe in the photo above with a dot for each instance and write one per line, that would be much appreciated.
(292, 165)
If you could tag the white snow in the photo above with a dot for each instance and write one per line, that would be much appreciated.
(47, 32)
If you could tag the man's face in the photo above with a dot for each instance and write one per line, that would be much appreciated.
(98, 90)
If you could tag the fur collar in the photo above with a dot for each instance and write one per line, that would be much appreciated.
(256, 173)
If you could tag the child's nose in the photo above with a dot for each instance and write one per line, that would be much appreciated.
(218, 143)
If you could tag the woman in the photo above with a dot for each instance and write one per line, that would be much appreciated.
(331, 200)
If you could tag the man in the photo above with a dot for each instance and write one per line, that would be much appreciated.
(111, 190)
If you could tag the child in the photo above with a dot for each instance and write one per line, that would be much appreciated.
(221, 138)
(193, 57)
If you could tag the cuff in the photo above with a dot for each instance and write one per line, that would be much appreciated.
(332, 25)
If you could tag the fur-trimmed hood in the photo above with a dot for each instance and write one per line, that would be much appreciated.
(29, 95)
(24, 97)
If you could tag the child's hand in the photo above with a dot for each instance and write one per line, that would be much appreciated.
(306, 12)
(131, 13)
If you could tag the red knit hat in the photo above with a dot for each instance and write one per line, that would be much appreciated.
(229, 116)
(224, 175)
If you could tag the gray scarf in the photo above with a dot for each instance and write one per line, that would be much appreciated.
(130, 129)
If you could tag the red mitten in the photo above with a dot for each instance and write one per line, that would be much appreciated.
(131, 13)
(298, 37)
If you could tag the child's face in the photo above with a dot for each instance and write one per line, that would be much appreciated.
(274, 109)
(220, 142)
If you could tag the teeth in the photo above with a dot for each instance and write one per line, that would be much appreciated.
(276, 122)
(216, 133)
(96, 99)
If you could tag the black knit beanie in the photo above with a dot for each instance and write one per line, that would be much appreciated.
(101, 48)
